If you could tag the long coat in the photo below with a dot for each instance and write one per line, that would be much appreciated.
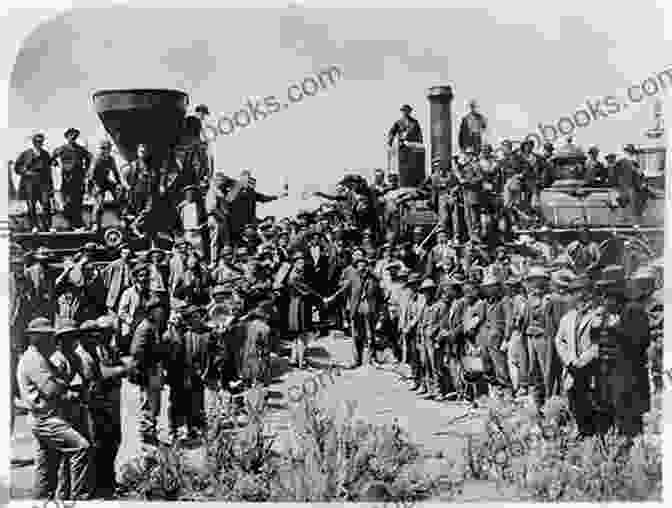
(300, 295)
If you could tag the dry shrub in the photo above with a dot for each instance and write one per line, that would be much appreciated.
(331, 459)
(545, 459)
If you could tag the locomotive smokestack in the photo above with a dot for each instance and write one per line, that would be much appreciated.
(151, 117)
(441, 126)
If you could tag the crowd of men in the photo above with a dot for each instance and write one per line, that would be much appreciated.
(470, 308)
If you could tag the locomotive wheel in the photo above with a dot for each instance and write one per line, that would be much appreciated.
(113, 238)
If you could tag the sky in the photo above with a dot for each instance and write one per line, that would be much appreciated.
(525, 63)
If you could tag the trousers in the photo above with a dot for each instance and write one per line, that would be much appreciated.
(106, 415)
(56, 438)
(149, 407)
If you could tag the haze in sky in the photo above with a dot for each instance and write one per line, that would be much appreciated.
(525, 65)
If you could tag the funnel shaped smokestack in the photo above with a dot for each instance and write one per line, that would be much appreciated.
(132, 117)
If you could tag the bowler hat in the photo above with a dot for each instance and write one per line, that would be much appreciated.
(202, 108)
(40, 325)
(71, 131)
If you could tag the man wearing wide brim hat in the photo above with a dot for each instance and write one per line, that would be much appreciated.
(74, 161)
(44, 391)
(146, 353)
(490, 332)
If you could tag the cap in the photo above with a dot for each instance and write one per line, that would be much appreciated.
(191, 188)
(630, 148)
(71, 131)
(406, 108)
(37, 135)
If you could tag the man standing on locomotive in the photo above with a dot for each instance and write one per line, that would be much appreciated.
(74, 161)
(36, 186)
(472, 129)
(104, 177)
(406, 129)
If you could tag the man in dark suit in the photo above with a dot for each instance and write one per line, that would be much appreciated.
(406, 129)
(472, 129)
(147, 364)
(74, 161)
(34, 167)
(365, 302)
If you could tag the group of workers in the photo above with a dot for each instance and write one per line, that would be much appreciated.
(470, 310)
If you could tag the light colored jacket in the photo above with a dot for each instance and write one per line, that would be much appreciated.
(573, 342)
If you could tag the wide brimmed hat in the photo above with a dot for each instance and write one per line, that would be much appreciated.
(71, 131)
(611, 276)
(490, 280)
(90, 326)
(414, 278)
(155, 250)
(89, 247)
(536, 272)
(581, 282)
(67, 327)
(563, 278)
(106, 322)
(427, 284)
(40, 325)
(456, 279)
(40, 254)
